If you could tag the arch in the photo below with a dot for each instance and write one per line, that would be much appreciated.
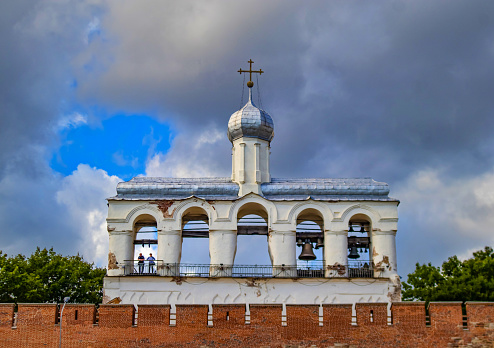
(310, 214)
(188, 205)
(144, 209)
(194, 213)
(322, 210)
(264, 206)
(360, 209)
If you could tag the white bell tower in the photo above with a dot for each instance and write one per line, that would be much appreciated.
(250, 130)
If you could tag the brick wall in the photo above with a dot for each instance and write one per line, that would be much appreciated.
(116, 315)
(37, 326)
(6, 314)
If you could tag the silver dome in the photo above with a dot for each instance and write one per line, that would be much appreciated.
(252, 122)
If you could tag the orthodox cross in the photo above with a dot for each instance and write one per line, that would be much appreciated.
(250, 84)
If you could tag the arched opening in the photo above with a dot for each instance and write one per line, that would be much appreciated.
(195, 242)
(310, 243)
(145, 245)
(359, 247)
(252, 232)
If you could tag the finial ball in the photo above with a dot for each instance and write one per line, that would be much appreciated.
(250, 84)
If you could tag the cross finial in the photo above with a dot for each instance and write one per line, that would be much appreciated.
(250, 84)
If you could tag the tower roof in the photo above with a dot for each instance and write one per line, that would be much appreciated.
(251, 122)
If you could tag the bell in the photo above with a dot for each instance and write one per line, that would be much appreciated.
(299, 242)
(351, 228)
(353, 253)
(362, 228)
(307, 254)
(319, 243)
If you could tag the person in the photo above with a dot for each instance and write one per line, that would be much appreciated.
(151, 263)
(140, 263)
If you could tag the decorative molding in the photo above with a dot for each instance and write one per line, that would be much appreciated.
(148, 206)
(374, 213)
(310, 204)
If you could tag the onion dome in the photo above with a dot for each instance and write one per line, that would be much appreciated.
(251, 122)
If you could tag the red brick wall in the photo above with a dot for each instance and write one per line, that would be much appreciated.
(480, 312)
(445, 315)
(302, 322)
(116, 315)
(78, 314)
(153, 315)
(229, 316)
(36, 326)
(408, 315)
(37, 314)
(6, 314)
(372, 314)
(195, 316)
(337, 318)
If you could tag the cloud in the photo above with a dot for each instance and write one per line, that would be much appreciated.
(400, 91)
(442, 217)
(72, 120)
(200, 154)
(83, 195)
(394, 85)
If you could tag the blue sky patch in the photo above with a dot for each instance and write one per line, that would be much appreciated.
(121, 145)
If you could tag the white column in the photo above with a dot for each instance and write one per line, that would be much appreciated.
(267, 177)
(233, 163)
(241, 172)
(222, 250)
(169, 252)
(257, 169)
(336, 253)
(121, 252)
(281, 246)
(384, 253)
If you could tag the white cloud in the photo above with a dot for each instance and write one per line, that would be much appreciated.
(192, 154)
(442, 217)
(83, 193)
(72, 120)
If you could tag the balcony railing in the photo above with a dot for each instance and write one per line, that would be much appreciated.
(311, 270)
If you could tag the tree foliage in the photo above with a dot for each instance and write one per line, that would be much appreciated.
(469, 280)
(46, 276)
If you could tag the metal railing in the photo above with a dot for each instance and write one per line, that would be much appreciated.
(310, 270)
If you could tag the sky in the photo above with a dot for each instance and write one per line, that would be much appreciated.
(96, 92)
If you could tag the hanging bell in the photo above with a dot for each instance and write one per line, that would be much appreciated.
(299, 242)
(351, 228)
(319, 243)
(353, 253)
(362, 228)
(307, 254)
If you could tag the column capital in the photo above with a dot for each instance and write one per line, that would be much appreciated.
(384, 233)
(169, 232)
(335, 233)
(227, 231)
(289, 233)
(124, 233)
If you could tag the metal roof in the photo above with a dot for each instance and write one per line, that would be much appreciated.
(149, 188)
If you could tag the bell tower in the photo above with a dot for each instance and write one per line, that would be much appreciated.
(250, 131)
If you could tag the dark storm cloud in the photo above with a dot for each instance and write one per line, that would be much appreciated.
(38, 42)
(382, 88)
(397, 90)
(355, 89)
